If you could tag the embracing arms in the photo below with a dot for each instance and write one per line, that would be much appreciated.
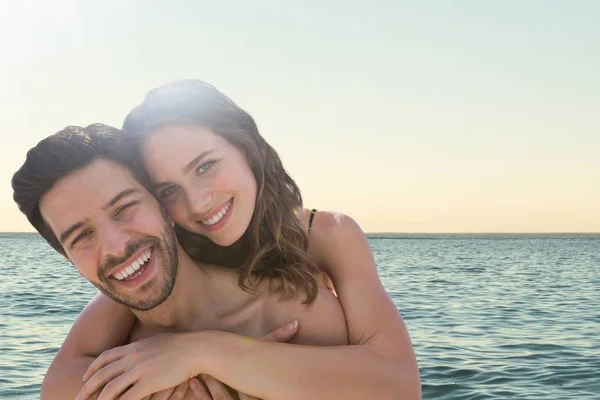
(379, 363)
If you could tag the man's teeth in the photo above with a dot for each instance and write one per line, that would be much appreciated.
(217, 216)
(137, 264)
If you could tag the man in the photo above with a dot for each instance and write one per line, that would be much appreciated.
(78, 191)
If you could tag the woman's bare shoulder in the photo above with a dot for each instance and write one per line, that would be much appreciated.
(330, 232)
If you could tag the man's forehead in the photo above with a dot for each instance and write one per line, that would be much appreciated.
(85, 191)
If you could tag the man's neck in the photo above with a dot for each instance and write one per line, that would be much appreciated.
(201, 292)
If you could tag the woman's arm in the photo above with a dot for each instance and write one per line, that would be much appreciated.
(102, 325)
(343, 252)
(380, 364)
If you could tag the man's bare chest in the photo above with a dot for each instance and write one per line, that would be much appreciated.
(255, 320)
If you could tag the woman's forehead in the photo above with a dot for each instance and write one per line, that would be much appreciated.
(169, 149)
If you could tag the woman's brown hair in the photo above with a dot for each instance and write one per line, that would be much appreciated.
(275, 244)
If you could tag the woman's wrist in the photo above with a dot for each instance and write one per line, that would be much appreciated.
(212, 351)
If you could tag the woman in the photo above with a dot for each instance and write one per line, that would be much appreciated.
(235, 206)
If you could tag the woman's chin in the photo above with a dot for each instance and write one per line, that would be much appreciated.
(192, 229)
(217, 238)
(222, 241)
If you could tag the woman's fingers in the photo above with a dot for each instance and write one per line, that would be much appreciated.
(282, 334)
(119, 385)
(109, 374)
(104, 359)
(101, 378)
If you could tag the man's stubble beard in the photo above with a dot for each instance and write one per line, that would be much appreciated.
(152, 296)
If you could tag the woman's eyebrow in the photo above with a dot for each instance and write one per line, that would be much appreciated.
(196, 160)
(188, 167)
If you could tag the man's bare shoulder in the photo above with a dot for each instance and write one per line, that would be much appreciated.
(321, 323)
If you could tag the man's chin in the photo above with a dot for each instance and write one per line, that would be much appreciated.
(146, 304)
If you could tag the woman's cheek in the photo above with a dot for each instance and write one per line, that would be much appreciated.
(177, 212)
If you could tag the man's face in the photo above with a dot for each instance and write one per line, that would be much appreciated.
(115, 233)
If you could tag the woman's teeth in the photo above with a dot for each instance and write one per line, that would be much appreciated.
(136, 265)
(218, 216)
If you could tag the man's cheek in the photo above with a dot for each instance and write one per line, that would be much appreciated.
(84, 261)
(148, 222)
(85, 270)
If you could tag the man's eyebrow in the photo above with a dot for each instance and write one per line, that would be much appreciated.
(186, 170)
(127, 192)
(64, 236)
(119, 196)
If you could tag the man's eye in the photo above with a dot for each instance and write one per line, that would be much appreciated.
(83, 235)
(125, 207)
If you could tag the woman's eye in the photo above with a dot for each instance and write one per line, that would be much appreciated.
(168, 191)
(204, 167)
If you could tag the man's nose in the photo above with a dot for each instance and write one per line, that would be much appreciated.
(113, 239)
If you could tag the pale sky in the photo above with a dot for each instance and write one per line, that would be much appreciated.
(429, 116)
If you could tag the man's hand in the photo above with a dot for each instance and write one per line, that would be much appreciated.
(175, 393)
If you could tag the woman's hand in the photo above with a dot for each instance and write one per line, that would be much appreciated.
(152, 365)
(160, 362)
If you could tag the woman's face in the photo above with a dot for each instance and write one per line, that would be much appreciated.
(204, 182)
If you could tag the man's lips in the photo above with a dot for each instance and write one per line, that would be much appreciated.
(132, 264)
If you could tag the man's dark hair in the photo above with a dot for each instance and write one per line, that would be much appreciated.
(57, 156)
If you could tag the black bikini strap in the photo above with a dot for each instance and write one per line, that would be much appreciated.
(310, 221)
